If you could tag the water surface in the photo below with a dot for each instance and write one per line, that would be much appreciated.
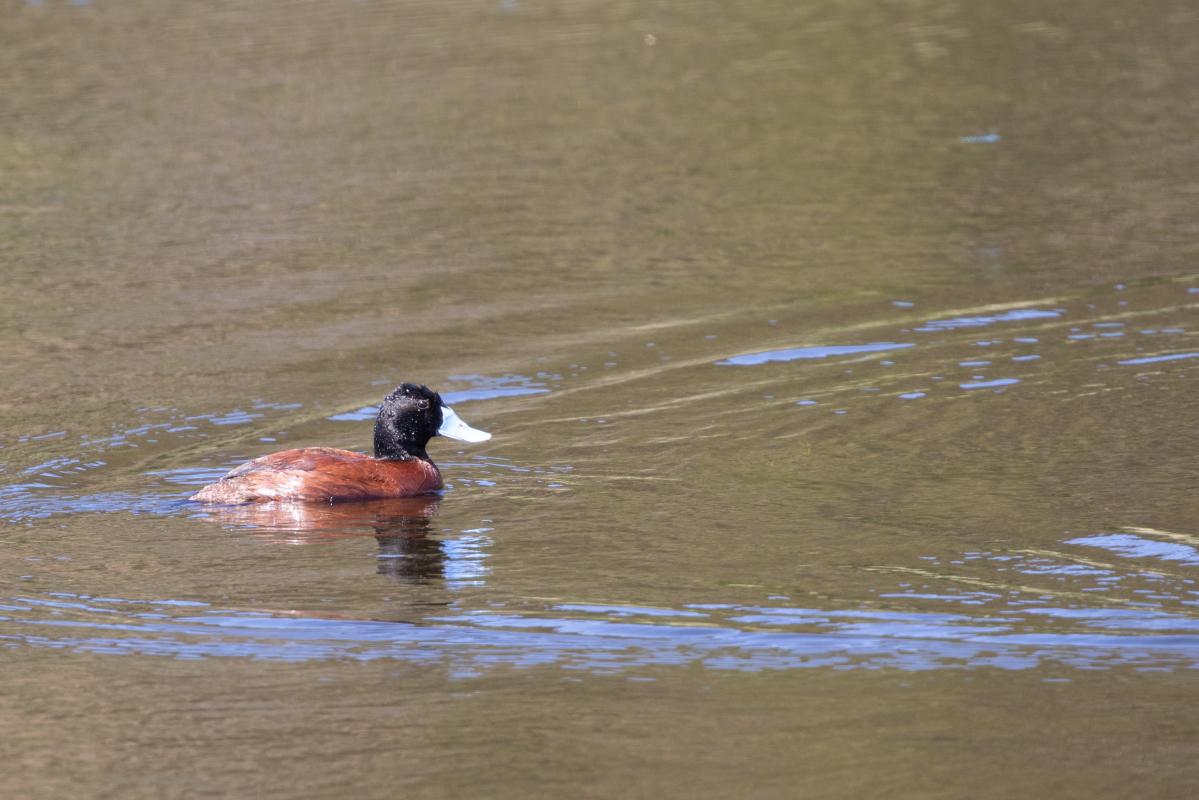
(840, 358)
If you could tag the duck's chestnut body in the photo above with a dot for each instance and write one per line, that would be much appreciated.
(322, 474)
(408, 418)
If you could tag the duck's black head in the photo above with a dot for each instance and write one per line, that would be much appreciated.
(412, 415)
(408, 418)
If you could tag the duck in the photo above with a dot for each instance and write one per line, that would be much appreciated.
(408, 418)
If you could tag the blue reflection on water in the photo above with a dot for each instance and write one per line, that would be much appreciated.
(800, 353)
(23, 502)
(1158, 359)
(1018, 315)
(1132, 546)
(628, 611)
(984, 138)
(465, 557)
(605, 638)
(990, 384)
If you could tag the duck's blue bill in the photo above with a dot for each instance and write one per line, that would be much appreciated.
(453, 427)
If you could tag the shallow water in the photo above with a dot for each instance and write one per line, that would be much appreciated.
(840, 360)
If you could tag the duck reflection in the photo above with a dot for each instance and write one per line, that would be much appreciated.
(402, 527)
(407, 553)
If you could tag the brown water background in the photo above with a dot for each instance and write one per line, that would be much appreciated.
(840, 357)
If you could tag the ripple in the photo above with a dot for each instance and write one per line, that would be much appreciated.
(1129, 545)
(1158, 359)
(990, 384)
(605, 638)
(1018, 315)
(801, 353)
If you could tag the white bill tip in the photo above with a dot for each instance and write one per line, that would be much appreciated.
(453, 427)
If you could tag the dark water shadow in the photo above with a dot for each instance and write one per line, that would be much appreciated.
(407, 550)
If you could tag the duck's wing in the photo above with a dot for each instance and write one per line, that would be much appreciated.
(309, 473)
(304, 459)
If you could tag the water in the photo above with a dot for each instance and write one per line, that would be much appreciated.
(840, 359)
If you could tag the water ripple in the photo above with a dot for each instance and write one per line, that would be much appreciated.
(801, 353)
(604, 638)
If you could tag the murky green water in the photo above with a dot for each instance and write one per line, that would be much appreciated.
(840, 356)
